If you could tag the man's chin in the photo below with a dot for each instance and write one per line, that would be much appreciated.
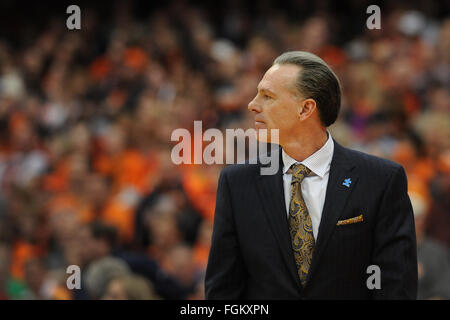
(266, 135)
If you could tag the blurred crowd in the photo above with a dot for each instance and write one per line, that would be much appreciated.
(86, 117)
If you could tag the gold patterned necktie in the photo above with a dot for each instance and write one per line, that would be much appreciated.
(300, 225)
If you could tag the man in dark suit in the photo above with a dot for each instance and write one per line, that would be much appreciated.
(328, 223)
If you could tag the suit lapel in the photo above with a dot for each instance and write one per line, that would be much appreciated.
(337, 194)
(271, 191)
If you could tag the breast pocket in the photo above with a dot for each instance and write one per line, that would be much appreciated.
(352, 226)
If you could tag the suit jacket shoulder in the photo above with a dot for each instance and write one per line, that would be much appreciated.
(365, 162)
(373, 168)
(371, 162)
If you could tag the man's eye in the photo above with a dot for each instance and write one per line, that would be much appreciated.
(265, 96)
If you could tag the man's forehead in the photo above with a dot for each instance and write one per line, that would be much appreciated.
(279, 75)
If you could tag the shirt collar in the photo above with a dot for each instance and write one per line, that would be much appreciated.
(319, 162)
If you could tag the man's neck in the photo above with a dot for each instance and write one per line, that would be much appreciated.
(305, 145)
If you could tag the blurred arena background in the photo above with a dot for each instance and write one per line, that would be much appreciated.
(86, 116)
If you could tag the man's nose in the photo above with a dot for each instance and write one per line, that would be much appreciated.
(253, 106)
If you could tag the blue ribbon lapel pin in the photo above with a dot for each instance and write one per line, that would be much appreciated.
(347, 182)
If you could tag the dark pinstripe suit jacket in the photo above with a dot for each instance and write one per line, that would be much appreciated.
(251, 255)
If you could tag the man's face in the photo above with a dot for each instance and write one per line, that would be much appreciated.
(276, 103)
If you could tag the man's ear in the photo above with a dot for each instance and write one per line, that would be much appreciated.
(306, 108)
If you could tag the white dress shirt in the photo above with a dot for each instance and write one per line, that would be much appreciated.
(314, 186)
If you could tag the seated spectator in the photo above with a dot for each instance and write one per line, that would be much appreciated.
(129, 287)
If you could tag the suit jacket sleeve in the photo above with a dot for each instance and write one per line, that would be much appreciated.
(395, 242)
(225, 273)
